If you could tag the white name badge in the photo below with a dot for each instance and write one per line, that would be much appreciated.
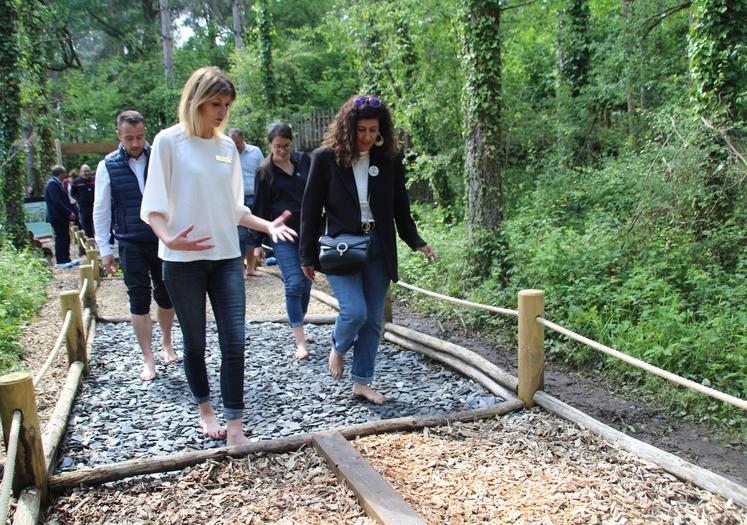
(373, 171)
(223, 158)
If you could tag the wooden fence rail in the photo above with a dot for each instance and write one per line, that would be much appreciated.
(531, 351)
(31, 455)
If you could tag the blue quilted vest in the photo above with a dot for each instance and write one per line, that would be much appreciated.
(126, 198)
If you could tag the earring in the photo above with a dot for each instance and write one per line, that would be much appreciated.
(379, 141)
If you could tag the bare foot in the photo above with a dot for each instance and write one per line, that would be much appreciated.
(301, 352)
(235, 435)
(149, 369)
(209, 423)
(335, 364)
(169, 355)
(369, 393)
(252, 273)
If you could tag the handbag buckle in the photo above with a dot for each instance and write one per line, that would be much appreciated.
(367, 226)
(342, 248)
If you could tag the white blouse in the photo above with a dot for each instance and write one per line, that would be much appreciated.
(195, 181)
(360, 170)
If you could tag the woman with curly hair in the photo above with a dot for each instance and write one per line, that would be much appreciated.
(358, 178)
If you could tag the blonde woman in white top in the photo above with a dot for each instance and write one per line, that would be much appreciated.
(193, 200)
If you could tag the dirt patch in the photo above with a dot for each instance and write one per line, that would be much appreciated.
(602, 399)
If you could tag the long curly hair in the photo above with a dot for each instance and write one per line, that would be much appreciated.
(341, 134)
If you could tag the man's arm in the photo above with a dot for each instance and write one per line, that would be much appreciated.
(102, 215)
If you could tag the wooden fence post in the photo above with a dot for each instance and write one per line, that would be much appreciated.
(388, 305)
(17, 393)
(75, 338)
(531, 345)
(93, 258)
(86, 272)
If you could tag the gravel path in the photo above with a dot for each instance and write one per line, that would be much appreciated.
(118, 417)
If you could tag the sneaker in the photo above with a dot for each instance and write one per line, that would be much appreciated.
(70, 264)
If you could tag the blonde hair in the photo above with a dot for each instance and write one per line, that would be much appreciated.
(205, 84)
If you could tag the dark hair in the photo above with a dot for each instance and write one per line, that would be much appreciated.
(276, 129)
(58, 170)
(341, 134)
(235, 132)
(133, 118)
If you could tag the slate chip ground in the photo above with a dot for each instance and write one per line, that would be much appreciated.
(118, 417)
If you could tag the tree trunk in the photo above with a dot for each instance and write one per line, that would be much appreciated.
(236, 9)
(11, 173)
(265, 50)
(166, 36)
(481, 50)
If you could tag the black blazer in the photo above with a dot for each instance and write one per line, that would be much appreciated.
(332, 187)
(59, 207)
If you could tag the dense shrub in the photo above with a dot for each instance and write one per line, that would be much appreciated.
(628, 256)
(23, 276)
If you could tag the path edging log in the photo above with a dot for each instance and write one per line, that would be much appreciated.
(137, 467)
(374, 493)
(457, 364)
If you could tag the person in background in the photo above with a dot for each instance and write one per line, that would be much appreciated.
(60, 212)
(251, 157)
(280, 186)
(193, 200)
(120, 179)
(83, 192)
(358, 179)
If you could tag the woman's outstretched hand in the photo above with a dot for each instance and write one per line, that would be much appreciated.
(181, 242)
(279, 231)
(427, 250)
(308, 271)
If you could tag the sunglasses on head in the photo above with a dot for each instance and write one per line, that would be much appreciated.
(372, 102)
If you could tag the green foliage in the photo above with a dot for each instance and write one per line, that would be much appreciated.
(23, 276)
(718, 57)
(621, 255)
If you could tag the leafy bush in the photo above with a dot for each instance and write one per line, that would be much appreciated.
(628, 256)
(23, 278)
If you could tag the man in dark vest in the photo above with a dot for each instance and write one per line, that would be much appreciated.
(83, 192)
(60, 212)
(120, 179)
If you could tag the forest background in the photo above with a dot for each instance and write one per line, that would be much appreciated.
(594, 149)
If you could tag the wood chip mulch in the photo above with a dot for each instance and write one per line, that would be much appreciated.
(290, 488)
(532, 467)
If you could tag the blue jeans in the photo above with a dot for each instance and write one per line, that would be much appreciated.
(361, 297)
(297, 286)
(223, 282)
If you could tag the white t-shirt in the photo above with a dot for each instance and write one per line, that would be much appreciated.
(196, 181)
(360, 171)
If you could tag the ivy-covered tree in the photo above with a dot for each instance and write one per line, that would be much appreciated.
(11, 177)
(34, 51)
(573, 68)
(264, 24)
(481, 52)
(718, 58)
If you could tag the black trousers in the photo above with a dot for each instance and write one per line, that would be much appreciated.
(61, 242)
(86, 220)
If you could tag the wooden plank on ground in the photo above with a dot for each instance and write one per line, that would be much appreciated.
(377, 497)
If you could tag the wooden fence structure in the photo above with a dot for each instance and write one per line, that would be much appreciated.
(32, 454)
(309, 128)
